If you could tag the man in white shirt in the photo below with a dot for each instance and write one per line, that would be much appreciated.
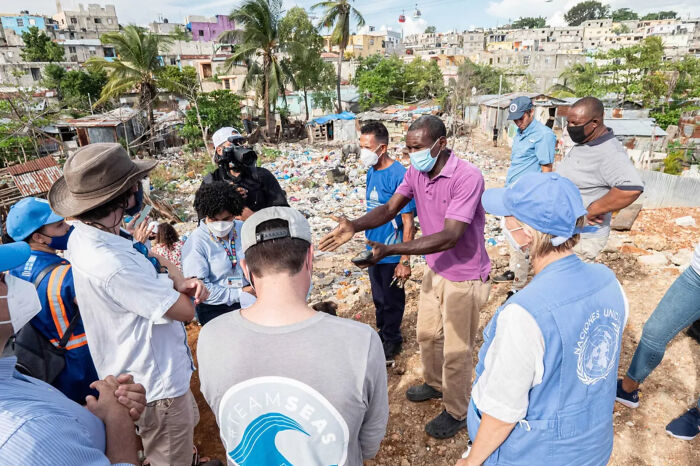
(133, 314)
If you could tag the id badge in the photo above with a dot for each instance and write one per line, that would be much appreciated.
(234, 282)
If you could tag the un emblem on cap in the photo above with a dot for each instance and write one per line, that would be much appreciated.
(513, 108)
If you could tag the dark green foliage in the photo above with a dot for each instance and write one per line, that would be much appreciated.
(38, 47)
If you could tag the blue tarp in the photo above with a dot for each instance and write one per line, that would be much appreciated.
(336, 116)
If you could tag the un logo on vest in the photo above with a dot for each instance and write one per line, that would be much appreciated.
(598, 346)
(513, 108)
(274, 421)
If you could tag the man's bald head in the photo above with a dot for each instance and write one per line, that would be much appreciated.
(590, 107)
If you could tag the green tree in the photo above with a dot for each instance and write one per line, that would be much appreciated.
(484, 78)
(337, 15)
(631, 71)
(586, 11)
(382, 81)
(309, 70)
(259, 38)
(668, 14)
(76, 89)
(529, 23)
(624, 14)
(39, 47)
(430, 30)
(213, 110)
(137, 67)
(179, 33)
(580, 79)
(621, 29)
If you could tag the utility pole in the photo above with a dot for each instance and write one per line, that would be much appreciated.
(92, 112)
(498, 111)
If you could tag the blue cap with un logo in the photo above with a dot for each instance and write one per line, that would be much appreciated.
(518, 107)
(547, 202)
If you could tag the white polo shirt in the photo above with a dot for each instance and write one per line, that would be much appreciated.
(123, 302)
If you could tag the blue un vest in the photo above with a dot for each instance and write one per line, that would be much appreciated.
(581, 312)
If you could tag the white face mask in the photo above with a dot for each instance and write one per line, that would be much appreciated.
(509, 235)
(368, 158)
(22, 302)
(220, 229)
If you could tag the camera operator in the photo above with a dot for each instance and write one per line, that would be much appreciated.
(237, 165)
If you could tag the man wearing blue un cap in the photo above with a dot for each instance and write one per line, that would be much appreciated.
(546, 378)
(32, 221)
(532, 152)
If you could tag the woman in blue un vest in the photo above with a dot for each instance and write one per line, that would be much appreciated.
(546, 378)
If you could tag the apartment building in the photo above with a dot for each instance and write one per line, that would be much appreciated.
(205, 29)
(94, 18)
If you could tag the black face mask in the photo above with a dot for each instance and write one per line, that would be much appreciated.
(138, 196)
(578, 133)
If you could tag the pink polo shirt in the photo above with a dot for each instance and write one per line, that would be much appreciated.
(456, 194)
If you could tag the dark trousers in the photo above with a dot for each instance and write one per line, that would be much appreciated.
(389, 302)
(207, 312)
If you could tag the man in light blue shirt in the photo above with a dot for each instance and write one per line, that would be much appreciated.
(213, 251)
(532, 151)
(40, 425)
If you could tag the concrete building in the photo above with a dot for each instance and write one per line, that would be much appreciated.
(81, 50)
(207, 29)
(95, 18)
(165, 27)
(368, 43)
(473, 41)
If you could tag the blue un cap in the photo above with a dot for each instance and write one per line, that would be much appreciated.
(518, 107)
(547, 202)
(27, 216)
(13, 255)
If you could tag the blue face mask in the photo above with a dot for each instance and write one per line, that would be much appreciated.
(138, 196)
(423, 160)
(60, 243)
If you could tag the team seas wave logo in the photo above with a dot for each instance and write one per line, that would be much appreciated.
(598, 346)
(277, 421)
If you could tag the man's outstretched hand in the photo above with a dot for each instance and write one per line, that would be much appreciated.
(339, 236)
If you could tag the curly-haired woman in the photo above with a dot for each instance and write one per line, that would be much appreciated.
(213, 251)
(168, 244)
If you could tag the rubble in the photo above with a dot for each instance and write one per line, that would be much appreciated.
(687, 221)
(653, 260)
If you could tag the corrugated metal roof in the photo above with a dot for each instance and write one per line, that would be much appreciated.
(35, 183)
(636, 127)
(32, 166)
(111, 118)
(36, 176)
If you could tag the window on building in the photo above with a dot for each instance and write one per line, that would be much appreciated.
(36, 74)
(98, 21)
(92, 52)
(109, 20)
(227, 84)
(526, 60)
(201, 33)
(371, 42)
(71, 49)
(74, 20)
(109, 52)
(20, 22)
(206, 70)
(32, 22)
(546, 60)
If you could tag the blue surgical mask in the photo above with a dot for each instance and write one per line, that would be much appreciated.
(423, 160)
(60, 243)
(138, 196)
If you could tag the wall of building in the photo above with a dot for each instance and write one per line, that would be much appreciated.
(94, 18)
(210, 28)
(21, 23)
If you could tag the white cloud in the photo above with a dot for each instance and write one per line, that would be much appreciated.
(414, 26)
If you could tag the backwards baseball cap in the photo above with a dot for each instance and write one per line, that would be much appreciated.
(547, 202)
(297, 226)
(518, 107)
(27, 216)
(222, 134)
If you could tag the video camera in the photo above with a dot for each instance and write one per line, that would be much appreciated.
(237, 156)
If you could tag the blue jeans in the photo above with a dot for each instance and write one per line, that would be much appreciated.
(679, 308)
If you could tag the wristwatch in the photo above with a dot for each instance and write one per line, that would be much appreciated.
(406, 263)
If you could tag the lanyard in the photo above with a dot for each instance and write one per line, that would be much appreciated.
(230, 248)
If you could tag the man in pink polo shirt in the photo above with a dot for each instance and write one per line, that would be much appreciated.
(447, 192)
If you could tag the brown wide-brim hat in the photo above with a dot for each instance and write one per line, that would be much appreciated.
(93, 176)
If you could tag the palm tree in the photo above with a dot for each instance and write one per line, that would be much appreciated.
(257, 42)
(136, 67)
(338, 13)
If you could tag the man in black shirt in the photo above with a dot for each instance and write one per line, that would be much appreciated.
(259, 187)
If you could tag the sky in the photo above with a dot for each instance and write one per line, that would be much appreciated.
(443, 14)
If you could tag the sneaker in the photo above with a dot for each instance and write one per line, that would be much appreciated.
(685, 427)
(506, 276)
(444, 426)
(631, 400)
(391, 349)
(422, 393)
(694, 331)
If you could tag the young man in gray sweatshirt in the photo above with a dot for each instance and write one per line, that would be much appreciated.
(290, 385)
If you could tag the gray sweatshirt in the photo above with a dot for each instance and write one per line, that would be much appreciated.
(311, 393)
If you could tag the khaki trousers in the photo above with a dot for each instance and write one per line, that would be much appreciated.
(588, 247)
(166, 428)
(448, 318)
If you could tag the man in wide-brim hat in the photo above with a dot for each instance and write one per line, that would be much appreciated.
(133, 313)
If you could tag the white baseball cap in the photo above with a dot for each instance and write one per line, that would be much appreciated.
(298, 226)
(222, 134)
